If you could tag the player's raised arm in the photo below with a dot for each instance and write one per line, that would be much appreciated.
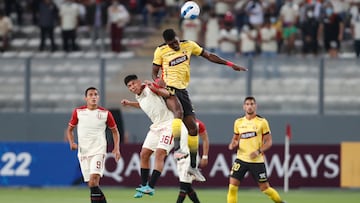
(217, 59)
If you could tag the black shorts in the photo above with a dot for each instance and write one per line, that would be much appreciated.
(257, 171)
(183, 96)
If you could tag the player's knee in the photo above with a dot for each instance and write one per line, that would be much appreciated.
(144, 156)
(94, 180)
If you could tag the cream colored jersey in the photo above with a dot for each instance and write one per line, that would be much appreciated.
(91, 125)
(154, 107)
(175, 65)
(251, 134)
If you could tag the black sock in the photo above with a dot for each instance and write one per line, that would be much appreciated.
(154, 177)
(193, 156)
(176, 143)
(192, 195)
(144, 175)
(96, 195)
(181, 197)
(183, 191)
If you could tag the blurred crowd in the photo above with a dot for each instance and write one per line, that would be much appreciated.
(228, 27)
(269, 27)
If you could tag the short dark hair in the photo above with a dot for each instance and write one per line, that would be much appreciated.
(129, 78)
(169, 34)
(90, 88)
(249, 98)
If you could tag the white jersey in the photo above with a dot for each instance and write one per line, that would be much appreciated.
(154, 107)
(91, 125)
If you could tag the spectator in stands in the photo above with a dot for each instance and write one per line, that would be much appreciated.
(191, 29)
(269, 48)
(289, 15)
(118, 17)
(34, 6)
(331, 30)
(5, 31)
(10, 5)
(82, 11)
(255, 12)
(221, 7)
(309, 30)
(248, 37)
(48, 17)
(355, 30)
(69, 21)
(228, 37)
(212, 32)
(240, 14)
(154, 9)
(96, 19)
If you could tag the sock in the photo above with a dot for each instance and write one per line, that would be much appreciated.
(192, 195)
(232, 195)
(273, 194)
(144, 175)
(176, 131)
(154, 177)
(193, 142)
(96, 195)
(184, 188)
(181, 197)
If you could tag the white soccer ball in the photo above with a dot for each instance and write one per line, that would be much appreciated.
(190, 10)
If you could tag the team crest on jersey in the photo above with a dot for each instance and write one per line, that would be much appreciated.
(100, 115)
(178, 60)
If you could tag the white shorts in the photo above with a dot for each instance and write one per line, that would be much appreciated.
(161, 137)
(92, 165)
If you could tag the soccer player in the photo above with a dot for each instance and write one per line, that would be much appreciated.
(252, 137)
(91, 121)
(183, 165)
(173, 59)
(159, 138)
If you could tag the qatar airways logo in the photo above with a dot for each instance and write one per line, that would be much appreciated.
(178, 60)
(323, 166)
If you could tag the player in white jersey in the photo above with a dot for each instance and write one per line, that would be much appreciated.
(91, 121)
(159, 138)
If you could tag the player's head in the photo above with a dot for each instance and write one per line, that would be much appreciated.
(249, 105)
(133, 83)
(171, 39)
(91, 97)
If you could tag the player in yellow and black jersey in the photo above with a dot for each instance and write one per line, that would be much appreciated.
(252, 137)
(173, 59)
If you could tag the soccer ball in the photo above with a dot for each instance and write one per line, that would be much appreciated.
(190, 10)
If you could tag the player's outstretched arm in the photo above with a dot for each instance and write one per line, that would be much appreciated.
(217, 59)
(126, 102)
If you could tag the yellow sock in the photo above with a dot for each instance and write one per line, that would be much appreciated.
(272, 194)
(232, 194)
(176, 131)
(193, 143)
(176, 127)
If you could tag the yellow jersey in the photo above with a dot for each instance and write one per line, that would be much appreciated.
(251, 134)
(175, 65)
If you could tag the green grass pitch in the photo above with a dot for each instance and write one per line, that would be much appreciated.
(168, 195)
